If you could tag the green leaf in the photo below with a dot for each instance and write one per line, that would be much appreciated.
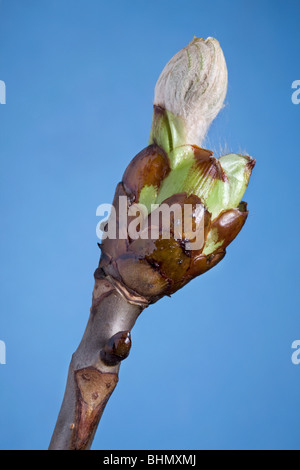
(167, 131)
(181, 161)
(148, 196)
(228, 192)
(212, 242)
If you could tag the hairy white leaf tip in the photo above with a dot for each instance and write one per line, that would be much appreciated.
(193, 85)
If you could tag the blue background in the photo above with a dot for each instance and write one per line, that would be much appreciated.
(211, 367)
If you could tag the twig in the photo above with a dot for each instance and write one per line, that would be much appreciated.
(93, 371)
